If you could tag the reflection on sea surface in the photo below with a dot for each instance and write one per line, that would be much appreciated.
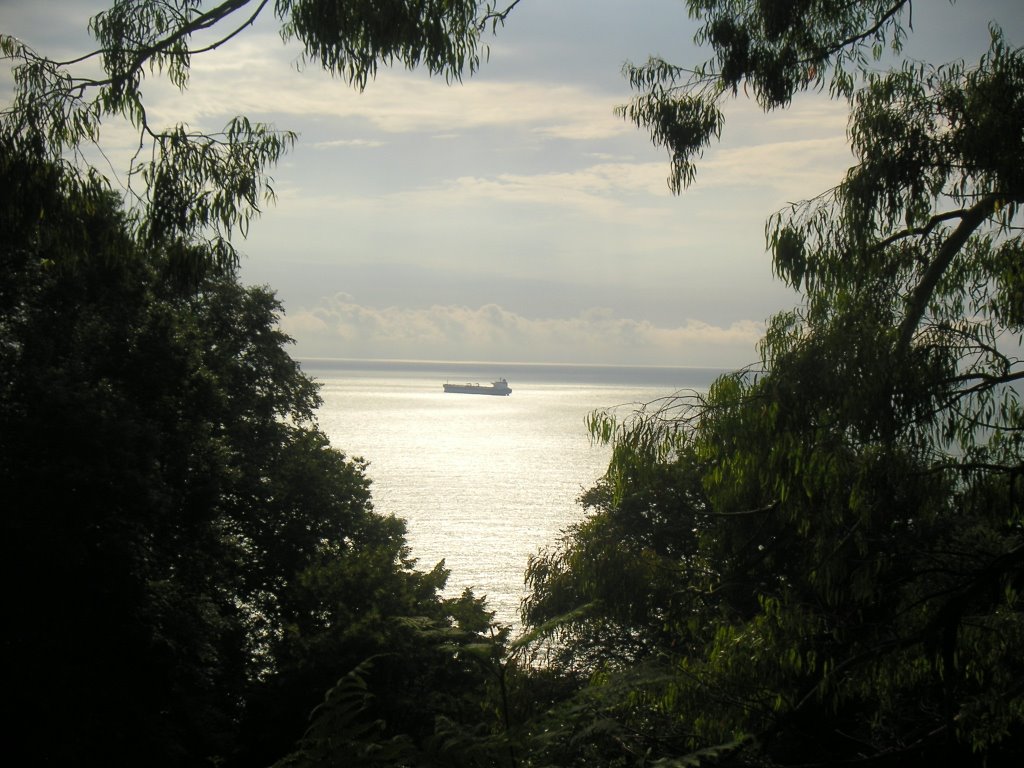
(483, 482)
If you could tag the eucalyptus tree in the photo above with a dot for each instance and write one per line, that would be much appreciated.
(180, 538)
(820, 560)
(188, 564)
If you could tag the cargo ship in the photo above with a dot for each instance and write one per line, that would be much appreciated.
(499, 387)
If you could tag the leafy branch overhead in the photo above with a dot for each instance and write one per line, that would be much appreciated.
(939, 166)
(772, 50)
(212, 184)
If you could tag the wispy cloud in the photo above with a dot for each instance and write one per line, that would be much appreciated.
(804, 167)
(601, 184)
(260, 78)
(334, 143)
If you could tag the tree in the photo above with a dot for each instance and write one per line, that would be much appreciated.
(202, 546)
(181, 540)
(820, 561)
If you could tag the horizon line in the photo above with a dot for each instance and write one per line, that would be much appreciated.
(421, 361)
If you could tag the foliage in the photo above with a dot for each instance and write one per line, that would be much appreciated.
(343, 734)
(817, 563)
(204, 565)
(821, 562)
(186, 182)
(774, 49)
(182, 544)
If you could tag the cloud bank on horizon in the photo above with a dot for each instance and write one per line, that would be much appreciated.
(594, 336)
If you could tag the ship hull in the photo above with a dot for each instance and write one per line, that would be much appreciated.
(499, 388)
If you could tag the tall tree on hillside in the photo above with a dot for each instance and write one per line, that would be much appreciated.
(821, 562)
(181, 543)
(180, 538)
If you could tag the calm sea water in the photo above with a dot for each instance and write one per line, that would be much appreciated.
(483, 482)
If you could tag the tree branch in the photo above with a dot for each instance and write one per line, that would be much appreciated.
(770, 507)
(970, 220)
(833, 48)
(205, 21)
(497, 17)
(933, 222)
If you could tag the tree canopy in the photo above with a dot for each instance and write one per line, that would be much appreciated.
(820, 560)
(817, 562)
(769, 49)
(189, 565)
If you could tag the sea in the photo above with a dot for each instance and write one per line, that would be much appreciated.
(483, 482)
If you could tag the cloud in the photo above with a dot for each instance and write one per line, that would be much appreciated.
(339, 327)
(369, 143)
(596, 186)
(259, 76)
(797, 168)
(632, 191)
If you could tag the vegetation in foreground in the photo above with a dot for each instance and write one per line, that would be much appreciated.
(820, 562)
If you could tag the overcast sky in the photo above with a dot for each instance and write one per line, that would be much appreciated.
(514, 217)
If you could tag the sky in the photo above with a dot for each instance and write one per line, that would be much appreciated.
(514, 217)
